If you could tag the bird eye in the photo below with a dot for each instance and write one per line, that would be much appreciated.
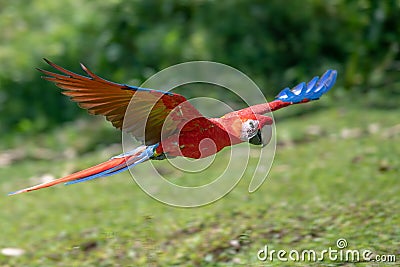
(251, 124)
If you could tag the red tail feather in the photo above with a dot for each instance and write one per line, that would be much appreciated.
(78, 175)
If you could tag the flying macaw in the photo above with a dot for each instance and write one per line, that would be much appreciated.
(173, 126)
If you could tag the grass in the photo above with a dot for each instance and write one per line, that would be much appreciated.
(335, 175)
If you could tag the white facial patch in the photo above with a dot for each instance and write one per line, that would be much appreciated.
(249, 130)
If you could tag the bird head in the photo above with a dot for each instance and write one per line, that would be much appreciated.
(257, 131)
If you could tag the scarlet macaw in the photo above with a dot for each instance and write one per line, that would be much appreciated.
(182, 125)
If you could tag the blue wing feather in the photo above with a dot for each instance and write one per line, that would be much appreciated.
(136, 88)
(313, 90)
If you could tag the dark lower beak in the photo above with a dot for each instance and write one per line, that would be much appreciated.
(256, 140)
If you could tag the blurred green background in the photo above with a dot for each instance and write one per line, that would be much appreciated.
(336, 169)
(274, 43)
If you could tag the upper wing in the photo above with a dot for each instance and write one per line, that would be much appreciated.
(147, 114)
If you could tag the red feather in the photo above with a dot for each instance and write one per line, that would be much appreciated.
(147, 112)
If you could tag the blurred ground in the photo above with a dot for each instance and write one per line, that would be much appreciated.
(335, 176)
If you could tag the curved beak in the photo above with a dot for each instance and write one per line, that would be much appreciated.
(263, 136)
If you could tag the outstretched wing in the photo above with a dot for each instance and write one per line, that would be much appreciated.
(147, 114)
(313, 90)
(301, 93)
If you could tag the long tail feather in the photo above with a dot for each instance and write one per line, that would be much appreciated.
(130, 162)
(113, 166)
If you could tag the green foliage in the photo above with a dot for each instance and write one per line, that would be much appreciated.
(274, 42)
(335, 173)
